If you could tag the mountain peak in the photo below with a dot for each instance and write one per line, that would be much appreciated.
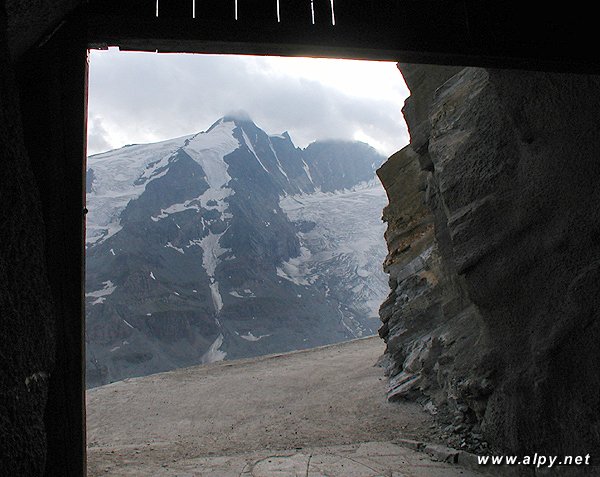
(239, 116)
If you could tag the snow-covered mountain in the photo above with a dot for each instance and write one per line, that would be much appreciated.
(229, 243)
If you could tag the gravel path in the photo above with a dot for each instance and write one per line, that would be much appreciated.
(322, 397)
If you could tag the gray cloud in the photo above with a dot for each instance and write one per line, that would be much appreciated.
(163, 96)
(97, 136)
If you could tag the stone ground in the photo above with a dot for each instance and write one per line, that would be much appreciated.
(319, 412)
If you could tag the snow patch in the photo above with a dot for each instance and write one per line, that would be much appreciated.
(249, 144)
(100, 295)
(176, 208)
(211, 251)
(209, 148)
(170, 245)
(279, 166)
(250, 337)
(214, 354)
(217, 299)
(247, 294)
(307, 171)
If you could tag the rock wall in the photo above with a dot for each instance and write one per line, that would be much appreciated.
(494, 257)
(26, 321)
(28, 21)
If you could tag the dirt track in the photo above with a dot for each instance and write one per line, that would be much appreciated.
(326, 396)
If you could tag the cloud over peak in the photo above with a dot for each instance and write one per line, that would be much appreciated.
(147, 97)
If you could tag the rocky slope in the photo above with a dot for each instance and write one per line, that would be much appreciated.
(492, 321)
(228, 243)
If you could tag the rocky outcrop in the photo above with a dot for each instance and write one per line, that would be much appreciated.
(494, 257)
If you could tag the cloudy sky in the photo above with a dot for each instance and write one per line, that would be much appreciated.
(148, 97)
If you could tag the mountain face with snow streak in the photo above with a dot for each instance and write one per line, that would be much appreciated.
(228, 243)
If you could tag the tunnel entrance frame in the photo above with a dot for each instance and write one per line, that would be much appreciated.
(52, 81)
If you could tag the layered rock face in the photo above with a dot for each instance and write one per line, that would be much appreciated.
(494, 255)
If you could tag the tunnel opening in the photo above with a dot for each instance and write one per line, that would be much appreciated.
(232, 243)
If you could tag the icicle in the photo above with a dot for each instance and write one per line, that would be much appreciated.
(332, 13)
